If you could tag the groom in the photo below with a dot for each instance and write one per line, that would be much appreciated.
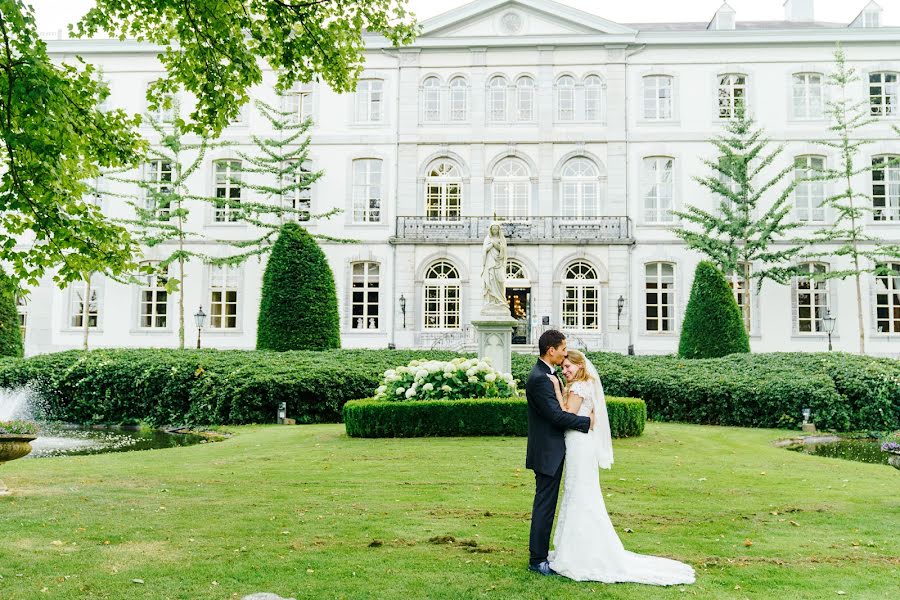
(547, 423)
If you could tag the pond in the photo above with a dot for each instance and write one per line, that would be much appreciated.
(68, 440)
(867, 450)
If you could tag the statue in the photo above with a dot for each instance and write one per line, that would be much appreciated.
(493, 271)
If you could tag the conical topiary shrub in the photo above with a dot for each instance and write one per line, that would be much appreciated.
(10, 335)
(713, 325)
(298, 309)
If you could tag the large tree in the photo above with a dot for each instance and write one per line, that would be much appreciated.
(213, 47)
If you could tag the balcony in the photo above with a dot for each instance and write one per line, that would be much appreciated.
(533, 230)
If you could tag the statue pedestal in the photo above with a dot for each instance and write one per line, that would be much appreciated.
(493, 332)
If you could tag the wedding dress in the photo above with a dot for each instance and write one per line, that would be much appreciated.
(586, 546)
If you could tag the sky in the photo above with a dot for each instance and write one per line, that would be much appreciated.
(53, 15)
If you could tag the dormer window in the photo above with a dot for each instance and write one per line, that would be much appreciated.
(723, 19)
(871, 18)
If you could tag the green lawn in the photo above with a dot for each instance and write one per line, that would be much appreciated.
(310, 513)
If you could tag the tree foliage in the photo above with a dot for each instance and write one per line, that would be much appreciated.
(712, 321)
(10, 334)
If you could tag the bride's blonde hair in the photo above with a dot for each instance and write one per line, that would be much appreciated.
(577, 358)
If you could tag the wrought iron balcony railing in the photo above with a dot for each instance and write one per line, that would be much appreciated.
(605, 229)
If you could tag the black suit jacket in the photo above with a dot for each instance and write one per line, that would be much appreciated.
(547, 423)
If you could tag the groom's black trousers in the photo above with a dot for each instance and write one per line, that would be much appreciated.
(546, 493)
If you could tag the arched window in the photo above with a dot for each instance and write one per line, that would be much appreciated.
(364, 299)
(887, 298)
(511, 190)
(565, 98)
(811, 298)
(443, 192)
(431, 100)
(659, 296)
(808, 96)
(459, 99)
(442, 297)
(657, 97)
(886, 188)
(581, 297)
(593, 98)
(580, 192)
(228, 191)
(497, 99)
(525, 98)
(657, 189)
(515, 270)
(809, 195)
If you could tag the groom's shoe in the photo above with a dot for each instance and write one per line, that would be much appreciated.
(542, 568)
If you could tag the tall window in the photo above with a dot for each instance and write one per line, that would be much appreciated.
(884, 94)
(22, 312)
(657, 97)
(740, 289)
(565, 98)
(223, 296)
(298, 102)
(525, 99)
(459, 99)
(365, 296)
(497, 99)
(581, 297)
(886, 188)
(431, 100)
(228, 191)
(812, 298)
(77, 300)
(657, 188)
(105, 104)
(580, 189)
(887, 298)
(300, 198)
(367, 190)
(809, 196)
(511, 189)
(732, 95)
(659, 295)
(159, 186)
(809, 99)
(154, 302)
(369, 101)
(443, 192)
(162, 114)
(593, 98)
(442, 297)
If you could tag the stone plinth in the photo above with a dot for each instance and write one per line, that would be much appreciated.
(493, 333)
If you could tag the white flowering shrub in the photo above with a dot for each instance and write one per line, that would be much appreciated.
(453, 380)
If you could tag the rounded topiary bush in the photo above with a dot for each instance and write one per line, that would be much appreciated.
(298, 309)
(712, 326)
(10, 334)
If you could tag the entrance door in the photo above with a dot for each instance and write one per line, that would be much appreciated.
(519, 300)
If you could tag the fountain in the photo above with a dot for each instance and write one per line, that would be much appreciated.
(14, 404)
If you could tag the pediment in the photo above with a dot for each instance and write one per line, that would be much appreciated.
(489, 18)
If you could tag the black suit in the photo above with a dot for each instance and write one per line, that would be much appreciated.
(547, 423)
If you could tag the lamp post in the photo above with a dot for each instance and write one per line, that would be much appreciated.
(199, 319)
(620, 304)
(828, 323)
(403, 309)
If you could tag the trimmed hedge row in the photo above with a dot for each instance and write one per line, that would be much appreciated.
(484, 416)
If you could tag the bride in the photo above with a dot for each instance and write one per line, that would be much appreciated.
(586, 547)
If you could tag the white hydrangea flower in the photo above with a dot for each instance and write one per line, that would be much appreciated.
(421, 374)
(473, 380)
(410, 392)
(390, 373)
(400, 391)
(427, 387)
(490, 377)
(446, 388)
(381, 389)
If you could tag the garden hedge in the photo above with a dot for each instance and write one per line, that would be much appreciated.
(484, 416)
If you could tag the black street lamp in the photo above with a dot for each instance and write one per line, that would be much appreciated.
(828, 323)
(620, 304)
(403, 309)
(199, 319)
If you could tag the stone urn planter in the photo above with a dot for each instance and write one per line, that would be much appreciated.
(893, 450)
(13, 446)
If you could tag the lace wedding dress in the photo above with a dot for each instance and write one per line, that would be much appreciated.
(586, 546)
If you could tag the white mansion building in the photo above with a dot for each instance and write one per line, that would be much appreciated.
(582, 134)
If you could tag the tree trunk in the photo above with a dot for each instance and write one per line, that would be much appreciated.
(181, 303)
(746, 307)
(86, 312)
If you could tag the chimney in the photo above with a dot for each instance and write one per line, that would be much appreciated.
(798, 11)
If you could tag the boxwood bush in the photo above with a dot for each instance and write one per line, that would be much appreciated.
(483, 416)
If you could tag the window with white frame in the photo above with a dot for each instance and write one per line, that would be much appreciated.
(441, 293)
(163, 114)
(431, 100)
(297, 102)
(884, 94)
(809, 195)
(581, 297)
(726, 204)
(367, 190)
(659, 297)
(159, 187)
(740, 289)
(524, 98)
(732, 98)
(106, 103)
(496, 98)
(77, 300)
(154, 299)
(808, 96)
(812, 298)
(22, 314)
(364, 300)
(301, 197)
(515, 270)
(443, 192)
(370, 101)
(459, 99)
(565, 98)
(511, 189)
(871, 18)
(228, 191)
(224, 281)
(886, 188)
(657, 188)
(593, 98)
(658, 97)
(887, 297)
(580, 191)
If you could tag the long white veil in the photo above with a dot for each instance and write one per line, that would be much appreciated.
(601, 435)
